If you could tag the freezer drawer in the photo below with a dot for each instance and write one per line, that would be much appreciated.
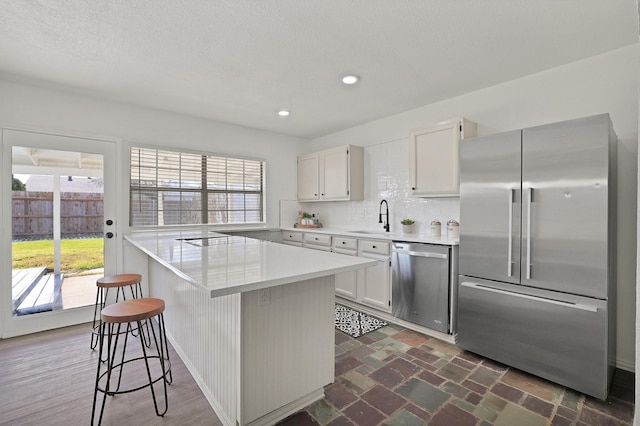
(559, 337)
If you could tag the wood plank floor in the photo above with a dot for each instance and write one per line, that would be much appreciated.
(47, 379)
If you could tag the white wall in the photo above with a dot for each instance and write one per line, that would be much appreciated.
(48, 109)
(604, 83)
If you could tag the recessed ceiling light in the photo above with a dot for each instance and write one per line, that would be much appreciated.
(350, 79)
(283, 113)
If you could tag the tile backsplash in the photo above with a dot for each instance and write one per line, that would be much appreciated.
(386, 177)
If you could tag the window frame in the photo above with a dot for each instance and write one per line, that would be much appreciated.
(203, 190)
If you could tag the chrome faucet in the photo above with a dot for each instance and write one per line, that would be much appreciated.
(386, 225)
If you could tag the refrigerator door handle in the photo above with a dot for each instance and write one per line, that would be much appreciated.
(510, 235)
(529, 201)
(421, 253)
(580, 306)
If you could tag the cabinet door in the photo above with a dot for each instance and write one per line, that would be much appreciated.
(346, 282)
(308, 183)
(346, 285)
(334, 174)
(376, 283)
(433, 153)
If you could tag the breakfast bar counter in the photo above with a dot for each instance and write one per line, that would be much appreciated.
(252, 320)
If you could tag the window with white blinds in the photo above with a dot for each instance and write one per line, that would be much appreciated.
(181, 188)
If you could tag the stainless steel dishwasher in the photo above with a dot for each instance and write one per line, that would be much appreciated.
(420, 284)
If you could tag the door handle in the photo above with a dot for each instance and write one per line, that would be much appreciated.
(579, 306)
(109, 234)
(421, 253)
(510, 235)
(529, 201)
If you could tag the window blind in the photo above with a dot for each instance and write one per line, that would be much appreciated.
(181, 188)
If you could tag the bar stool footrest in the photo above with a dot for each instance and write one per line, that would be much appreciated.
(115, 372)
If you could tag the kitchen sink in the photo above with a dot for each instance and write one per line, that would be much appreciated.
(367, 232)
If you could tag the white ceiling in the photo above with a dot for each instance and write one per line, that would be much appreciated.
(240, 61)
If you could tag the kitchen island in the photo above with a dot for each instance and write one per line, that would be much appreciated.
(252, 320)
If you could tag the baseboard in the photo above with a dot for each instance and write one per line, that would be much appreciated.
(625, 365)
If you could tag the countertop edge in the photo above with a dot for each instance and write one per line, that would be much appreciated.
(165, 264)
(258, 285)
(392, 236)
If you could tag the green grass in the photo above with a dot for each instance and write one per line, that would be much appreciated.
(76, 255)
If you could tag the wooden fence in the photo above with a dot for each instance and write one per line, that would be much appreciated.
(32, 214)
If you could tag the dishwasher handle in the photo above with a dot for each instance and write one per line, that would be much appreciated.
(420, 253)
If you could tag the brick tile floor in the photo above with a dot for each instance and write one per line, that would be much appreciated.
(394, 376)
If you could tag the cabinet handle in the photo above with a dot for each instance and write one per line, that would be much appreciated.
(373, 246)
(567, 304)
(344, 242)
(316, 238)
(413, 188)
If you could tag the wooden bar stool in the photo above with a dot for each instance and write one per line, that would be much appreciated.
(120, 283)
(110, 374)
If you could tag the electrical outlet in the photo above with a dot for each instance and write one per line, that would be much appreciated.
(264, 297)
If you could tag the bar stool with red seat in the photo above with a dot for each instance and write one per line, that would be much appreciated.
(120, 283)
(111, 374)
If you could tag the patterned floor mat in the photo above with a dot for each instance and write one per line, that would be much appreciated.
(355, 323)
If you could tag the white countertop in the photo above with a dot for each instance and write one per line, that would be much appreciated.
(381, 235)
(232, 264)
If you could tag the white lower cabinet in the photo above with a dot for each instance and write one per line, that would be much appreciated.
(374, 283)
(370, 286)
(346, 282)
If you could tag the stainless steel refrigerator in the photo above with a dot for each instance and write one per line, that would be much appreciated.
(538, 251)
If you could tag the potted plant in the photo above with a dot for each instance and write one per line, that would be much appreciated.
(305, 218)
(407, 225)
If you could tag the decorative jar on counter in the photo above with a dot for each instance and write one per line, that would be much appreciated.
(453, 229)
(436, 227)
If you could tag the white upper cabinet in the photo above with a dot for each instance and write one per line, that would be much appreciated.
(335, 174)
(433, 158)
(308, 178)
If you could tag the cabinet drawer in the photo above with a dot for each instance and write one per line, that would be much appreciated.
(374, 246)
(317, 239)
(292, 236)
(345, 243)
